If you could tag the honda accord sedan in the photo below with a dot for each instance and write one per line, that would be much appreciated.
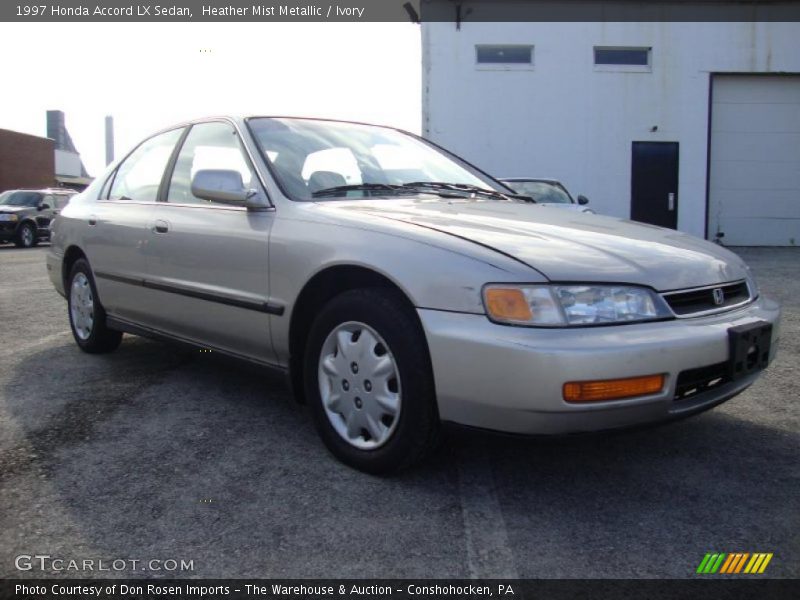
(400, 288)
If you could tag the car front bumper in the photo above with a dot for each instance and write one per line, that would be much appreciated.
(8, 230)
(510, 379)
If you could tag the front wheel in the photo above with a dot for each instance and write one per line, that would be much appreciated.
(26, 236)
(369, 382)
(87, 318)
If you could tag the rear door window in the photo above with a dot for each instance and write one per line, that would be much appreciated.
(139, 176)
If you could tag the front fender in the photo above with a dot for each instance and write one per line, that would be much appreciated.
(430, 276)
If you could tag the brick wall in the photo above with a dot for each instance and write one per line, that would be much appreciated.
(26, 161)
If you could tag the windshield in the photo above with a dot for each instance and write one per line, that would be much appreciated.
(20, 199)
(314, 160)
(542, 191)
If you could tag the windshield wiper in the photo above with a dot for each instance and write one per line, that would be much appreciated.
(463, 188)
(367, 187)
(440, 188)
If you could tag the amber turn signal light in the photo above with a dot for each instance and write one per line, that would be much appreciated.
(508, 304)
(613, 389)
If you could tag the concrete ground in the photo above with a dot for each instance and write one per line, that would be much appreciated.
(157, 453)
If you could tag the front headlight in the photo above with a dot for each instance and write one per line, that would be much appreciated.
(7, 217)
(565, 305)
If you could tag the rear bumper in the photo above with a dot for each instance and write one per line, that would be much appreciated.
(510, 379)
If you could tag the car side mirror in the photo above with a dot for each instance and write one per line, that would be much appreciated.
(224, 186)
(43, 207)
(582, 200)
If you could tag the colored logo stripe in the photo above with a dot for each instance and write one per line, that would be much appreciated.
(758, 563)
(726, 566)
(734, 563)
(710, 563)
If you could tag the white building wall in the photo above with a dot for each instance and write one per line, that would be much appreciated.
(565, 119)
(68, 163)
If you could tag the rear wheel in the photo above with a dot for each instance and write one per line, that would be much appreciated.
(87, 318)
(369, 382)
(26, 236)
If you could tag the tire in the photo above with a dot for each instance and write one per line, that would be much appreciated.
(26, 236)
(378, 416)
(87, 318)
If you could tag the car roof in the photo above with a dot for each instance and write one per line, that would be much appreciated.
(241, 120)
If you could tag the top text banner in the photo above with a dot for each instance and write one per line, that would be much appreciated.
(456, 11)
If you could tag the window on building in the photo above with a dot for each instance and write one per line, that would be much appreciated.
(618, 57)
(504, 55)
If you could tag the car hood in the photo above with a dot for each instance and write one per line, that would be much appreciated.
(564, 206)
(569, 246)
(4, 208)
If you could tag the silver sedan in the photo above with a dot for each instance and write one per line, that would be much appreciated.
(401, 288)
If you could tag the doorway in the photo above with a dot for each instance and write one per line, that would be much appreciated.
(654, 183)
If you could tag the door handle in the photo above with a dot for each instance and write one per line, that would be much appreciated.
(161, 226)
(671, 201)
(92, 220)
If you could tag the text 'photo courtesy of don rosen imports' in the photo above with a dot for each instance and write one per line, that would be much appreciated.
(336, 590)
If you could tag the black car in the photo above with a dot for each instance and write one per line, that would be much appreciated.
(25, 215)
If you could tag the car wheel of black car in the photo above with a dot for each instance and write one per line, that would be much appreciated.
(87, 318)
(26, 236)
(369, 382)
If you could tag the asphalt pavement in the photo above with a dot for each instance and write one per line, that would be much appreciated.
(155, 453)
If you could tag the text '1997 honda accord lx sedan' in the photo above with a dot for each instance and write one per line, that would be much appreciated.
(401, 288)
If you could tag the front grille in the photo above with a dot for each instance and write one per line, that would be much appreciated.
(690, 302)
(696, 381)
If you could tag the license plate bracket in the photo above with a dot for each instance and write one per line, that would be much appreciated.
(749, 347)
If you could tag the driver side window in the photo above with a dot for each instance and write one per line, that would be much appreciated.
(208, 146)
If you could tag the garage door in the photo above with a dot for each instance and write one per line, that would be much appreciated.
(754, 185)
